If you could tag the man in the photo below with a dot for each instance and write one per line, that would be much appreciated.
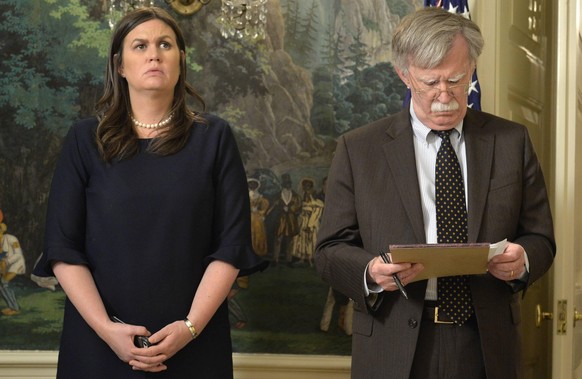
(383, 189)
(309, 219)
(287, 207)
(11, 264)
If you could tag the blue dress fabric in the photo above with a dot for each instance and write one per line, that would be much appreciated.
(147, 227)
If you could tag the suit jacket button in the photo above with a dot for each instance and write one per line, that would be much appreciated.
(412, 323)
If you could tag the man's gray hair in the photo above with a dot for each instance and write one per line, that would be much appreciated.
(424, 38)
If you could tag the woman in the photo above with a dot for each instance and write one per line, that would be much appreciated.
(148, 219)
(259, 208)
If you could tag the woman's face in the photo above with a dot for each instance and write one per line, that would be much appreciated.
(151, 59)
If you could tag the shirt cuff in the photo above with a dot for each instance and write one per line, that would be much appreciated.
(526, 263)
(370, 288)
(520, 283)
(524, 277)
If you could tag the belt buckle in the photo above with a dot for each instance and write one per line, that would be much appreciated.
(436, 317)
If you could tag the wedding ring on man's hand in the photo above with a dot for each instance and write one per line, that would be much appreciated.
(511, 275)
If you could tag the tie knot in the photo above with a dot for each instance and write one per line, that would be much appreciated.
(444, 134)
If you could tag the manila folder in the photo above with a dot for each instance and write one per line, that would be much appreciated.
(444, 259)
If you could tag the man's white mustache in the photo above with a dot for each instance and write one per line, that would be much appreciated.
(441, 107)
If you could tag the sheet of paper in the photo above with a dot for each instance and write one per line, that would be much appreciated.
(497, 248)
(448, 259)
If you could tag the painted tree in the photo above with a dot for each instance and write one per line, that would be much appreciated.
(292, 22)
(400, 7)
(326, 82)
(323, 112)
(357, 55)
(38, 83)
(51, 63)
(306, 40)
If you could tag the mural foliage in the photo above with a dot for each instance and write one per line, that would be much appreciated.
(322, 70)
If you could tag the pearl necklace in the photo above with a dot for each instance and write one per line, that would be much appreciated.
(152, 126)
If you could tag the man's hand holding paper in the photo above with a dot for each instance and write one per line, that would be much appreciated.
(510, 264)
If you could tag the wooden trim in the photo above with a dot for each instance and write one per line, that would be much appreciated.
(43, 364)
(566, 187)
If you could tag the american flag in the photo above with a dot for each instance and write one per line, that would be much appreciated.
(461, 7)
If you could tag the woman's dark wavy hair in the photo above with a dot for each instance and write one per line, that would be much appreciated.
(116, 138)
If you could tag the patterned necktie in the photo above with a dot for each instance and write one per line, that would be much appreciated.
(454, 294)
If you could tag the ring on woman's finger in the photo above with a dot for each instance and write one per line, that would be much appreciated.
(511, 275)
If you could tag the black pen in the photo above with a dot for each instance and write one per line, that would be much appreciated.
(138, 341)
(386, 259)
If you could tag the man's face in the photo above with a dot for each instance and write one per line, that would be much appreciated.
(439, 94)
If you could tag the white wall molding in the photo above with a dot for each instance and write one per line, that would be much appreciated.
(43, 364)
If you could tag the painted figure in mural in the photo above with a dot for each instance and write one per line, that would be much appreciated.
(335, 300)
(48, 282)
(345, 309)
(148, 219)
(235, 309)
(321, 194)
(11, 264)
(384, 189)
(287, 206)
(311, 210)
(259, 208)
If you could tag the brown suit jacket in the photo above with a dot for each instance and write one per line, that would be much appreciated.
(373, 200)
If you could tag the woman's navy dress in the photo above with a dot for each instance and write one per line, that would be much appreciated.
(147, 227)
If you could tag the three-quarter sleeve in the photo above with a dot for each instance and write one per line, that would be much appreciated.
(66, 210)
(232, 241)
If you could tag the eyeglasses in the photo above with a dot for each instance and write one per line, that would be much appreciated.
(455, 91)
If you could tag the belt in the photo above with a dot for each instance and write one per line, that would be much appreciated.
(433, 314)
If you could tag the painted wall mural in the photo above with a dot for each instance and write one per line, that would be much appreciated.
(323, 69)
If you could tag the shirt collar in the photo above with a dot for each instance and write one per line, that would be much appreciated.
(422, 132)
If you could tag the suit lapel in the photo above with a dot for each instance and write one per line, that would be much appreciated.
(479, 148)
(399, 154)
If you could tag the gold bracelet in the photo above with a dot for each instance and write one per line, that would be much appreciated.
(191, 328)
